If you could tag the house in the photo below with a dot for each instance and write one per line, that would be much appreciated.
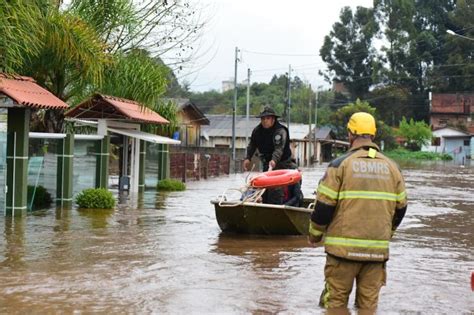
(452, 110)
(219, 134)
(451, 141)
(314, 146)
(191, 118)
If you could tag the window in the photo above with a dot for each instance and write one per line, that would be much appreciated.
(436, 141)
(466, 143)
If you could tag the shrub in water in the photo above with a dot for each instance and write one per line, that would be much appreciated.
(171, 185)
(42, 197)
(95, 198)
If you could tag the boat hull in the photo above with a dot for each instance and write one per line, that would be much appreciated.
(264, 219)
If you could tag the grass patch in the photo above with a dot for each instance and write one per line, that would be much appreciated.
(95, 198)
(402, 155)
(170, 185)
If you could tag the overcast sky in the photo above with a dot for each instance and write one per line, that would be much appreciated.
(270, 34)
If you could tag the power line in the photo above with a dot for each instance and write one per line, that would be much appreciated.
(278, 54)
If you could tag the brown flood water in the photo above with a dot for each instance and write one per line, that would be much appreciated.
(165, 254)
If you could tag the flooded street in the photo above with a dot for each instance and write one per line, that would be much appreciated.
(166, 254)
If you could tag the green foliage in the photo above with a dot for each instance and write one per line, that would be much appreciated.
(95, 198)
(20, 33)
(171, 185)
(169, 111)
(42, 198)
(416, 133)
(135, 76)
(340, 118)
(391, 102)
(403, 154)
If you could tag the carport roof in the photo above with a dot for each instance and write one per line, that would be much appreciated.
(101, 106)
(25, 91)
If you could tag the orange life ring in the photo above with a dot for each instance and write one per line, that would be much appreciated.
(276, 178)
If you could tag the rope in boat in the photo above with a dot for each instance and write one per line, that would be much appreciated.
(248, 193)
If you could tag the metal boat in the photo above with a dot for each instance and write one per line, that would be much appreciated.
(260, 218)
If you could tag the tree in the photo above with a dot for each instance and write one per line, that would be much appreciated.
(416, 133)
(167, 29)
(391, 102)
(69, 48)
(21, 30)
(455, 74)
(340, 118)
(348, 51)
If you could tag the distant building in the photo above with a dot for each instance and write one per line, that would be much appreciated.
(454, 142)
(219, 134)
(191, 118)
(227, 85)
(452, 110)
(340, 87)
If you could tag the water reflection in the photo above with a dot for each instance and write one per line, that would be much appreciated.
(14, 243)
(264, 252)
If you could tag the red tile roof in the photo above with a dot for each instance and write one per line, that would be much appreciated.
(452, 103)
(25, 91)
(110, 107)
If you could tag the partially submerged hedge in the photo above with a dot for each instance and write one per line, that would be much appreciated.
(42, 198)
(402, 154)
(171, 185)
(95, 198)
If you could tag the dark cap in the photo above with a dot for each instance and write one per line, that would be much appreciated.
(267, 111)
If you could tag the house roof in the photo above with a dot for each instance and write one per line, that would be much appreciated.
(193, 112)
(450, 132)
(25, 91)
(101, 106)
(459, 103)
(221, 126)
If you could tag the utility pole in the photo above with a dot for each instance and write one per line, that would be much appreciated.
(310, 134)
(234, 107)
(316, 150)
(289, 96)
(248, 106)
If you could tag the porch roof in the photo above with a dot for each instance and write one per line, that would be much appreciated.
(101, 106)
(26, 92)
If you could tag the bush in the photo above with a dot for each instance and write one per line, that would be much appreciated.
(403, 154)
(170, 185)
(95, 198)
(42, 197)
(417, 133)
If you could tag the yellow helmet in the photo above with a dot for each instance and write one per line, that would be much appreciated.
(362, 124)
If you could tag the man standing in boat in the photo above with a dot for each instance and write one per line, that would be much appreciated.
(360, 202)
(272, 140)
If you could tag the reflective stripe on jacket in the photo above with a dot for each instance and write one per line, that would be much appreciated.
(364, 188)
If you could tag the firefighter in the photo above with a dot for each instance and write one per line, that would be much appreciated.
(360, 202)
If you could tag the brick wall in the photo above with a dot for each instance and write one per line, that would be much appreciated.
(194, 163)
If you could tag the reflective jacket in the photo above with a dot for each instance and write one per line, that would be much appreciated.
(360, 202)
